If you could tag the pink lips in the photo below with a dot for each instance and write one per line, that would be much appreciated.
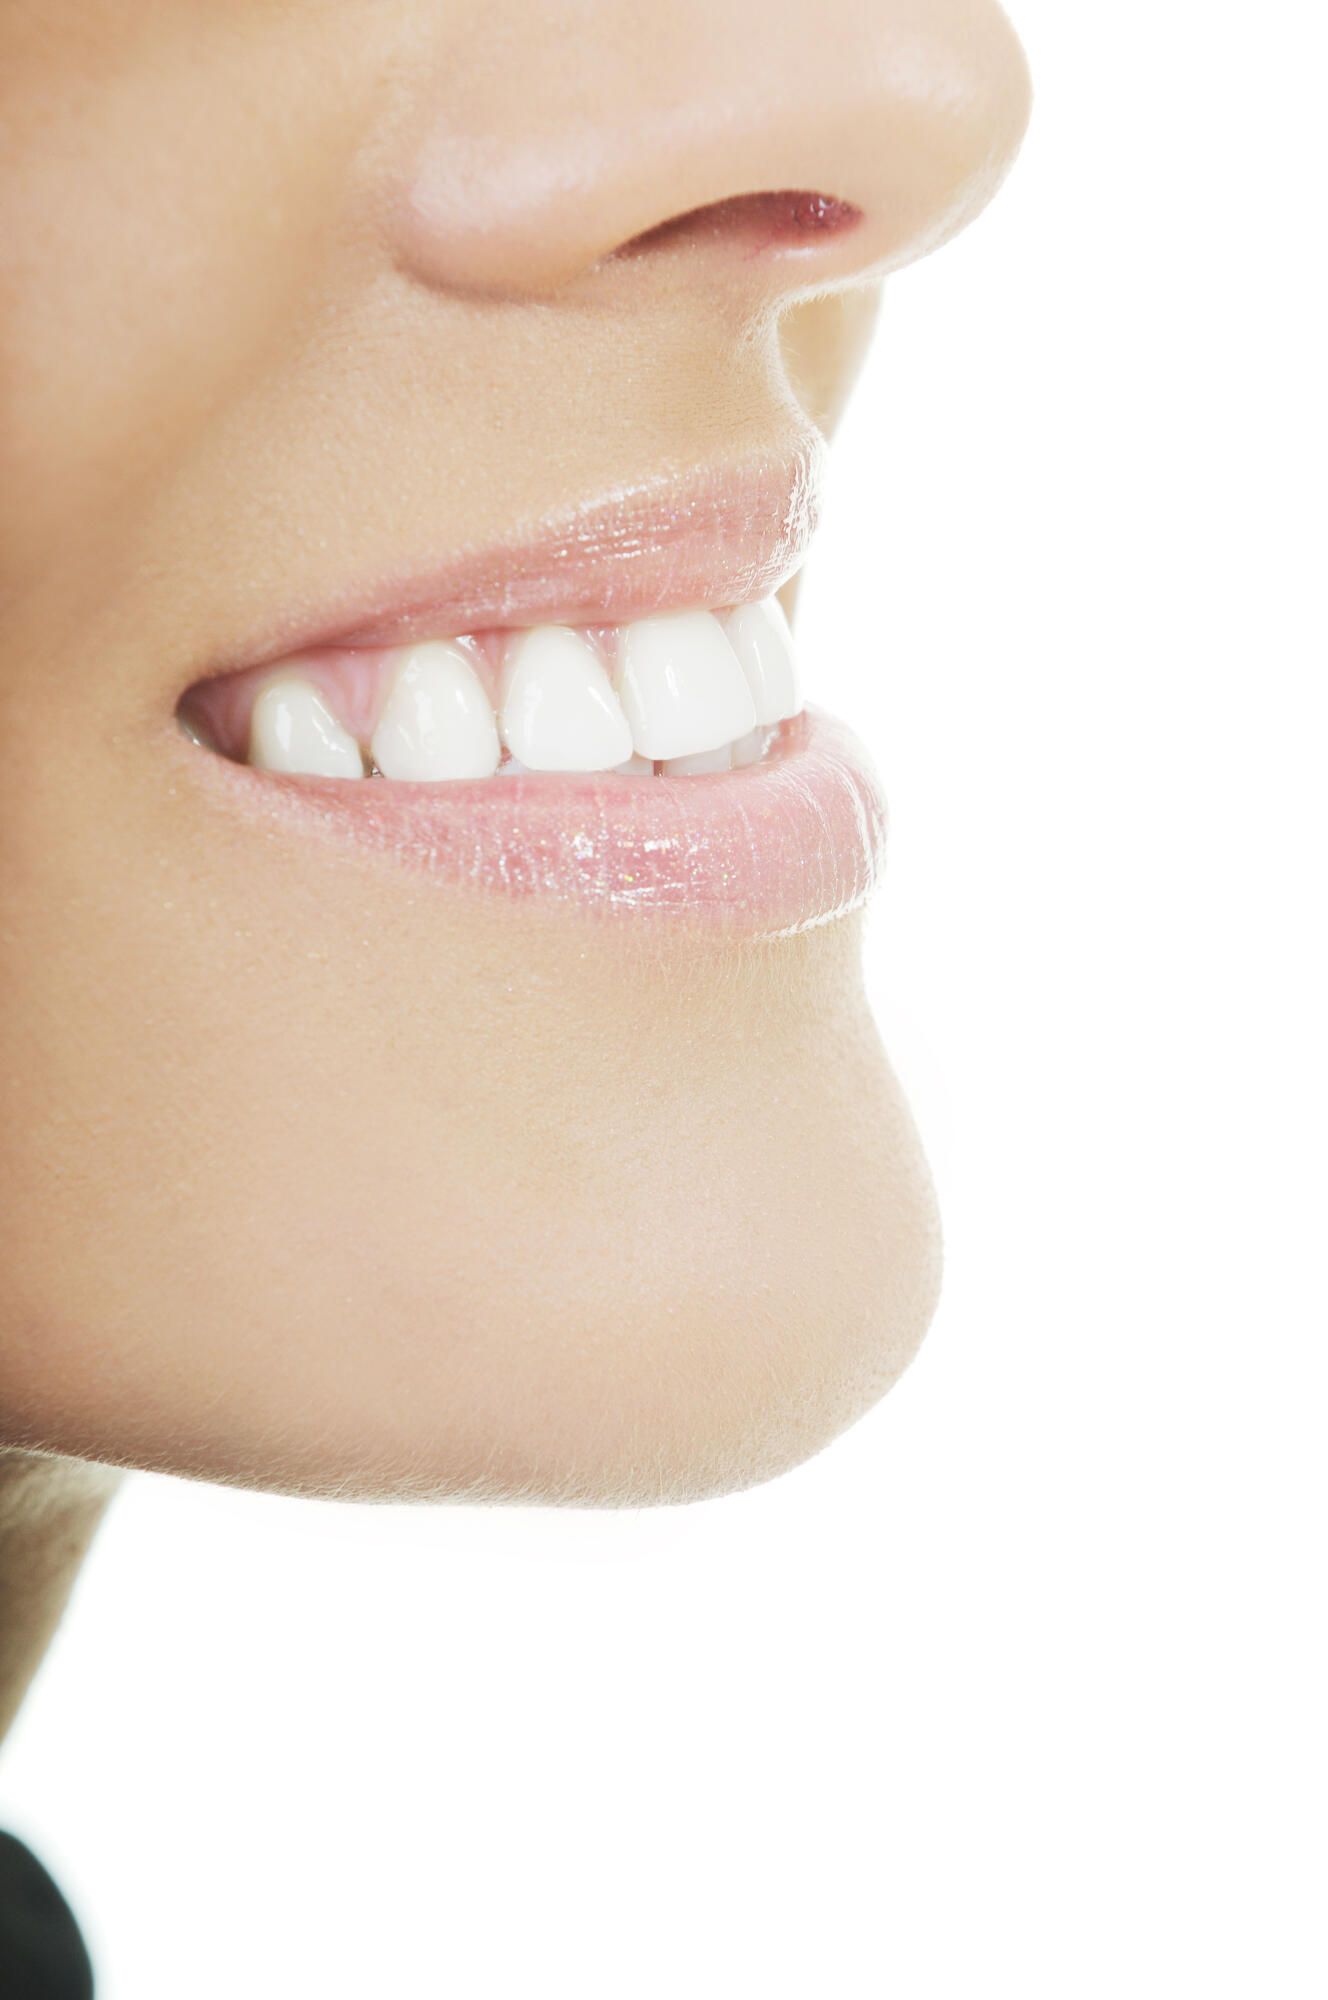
(772, 849)
(776, 849)
(720, 536)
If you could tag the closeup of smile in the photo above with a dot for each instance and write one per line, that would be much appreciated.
(438, 1048)
(610, 713)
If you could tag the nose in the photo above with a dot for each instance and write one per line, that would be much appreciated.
(817, 140)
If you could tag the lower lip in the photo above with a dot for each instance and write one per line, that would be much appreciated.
(778, 848)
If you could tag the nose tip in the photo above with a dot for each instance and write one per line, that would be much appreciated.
(815, 142)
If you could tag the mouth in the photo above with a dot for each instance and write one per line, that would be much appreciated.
(608, 713)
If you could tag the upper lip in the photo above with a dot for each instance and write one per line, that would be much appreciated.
(725, 534)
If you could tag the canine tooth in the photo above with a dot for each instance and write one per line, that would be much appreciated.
(293, 729)
(559, 710)
(759, 635)
(437, 721)
(701, 764)
(749, 749)
(681, 685)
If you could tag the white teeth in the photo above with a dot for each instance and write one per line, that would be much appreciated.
(681, 685)
(559, 711)
(293, 729)
(437, 721)
(693, 692)
(701, 764)
(759, 635)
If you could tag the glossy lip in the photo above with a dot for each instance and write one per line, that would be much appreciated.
(723, 535)
(771, 850)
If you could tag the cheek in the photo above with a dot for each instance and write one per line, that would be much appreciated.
(440, 1197)
(141, 286)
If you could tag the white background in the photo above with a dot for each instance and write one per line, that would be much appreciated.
(1020, 1687)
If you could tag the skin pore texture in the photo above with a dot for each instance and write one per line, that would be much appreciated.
(316, 1173)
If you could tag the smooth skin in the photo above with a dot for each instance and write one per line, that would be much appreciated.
(315, 1175)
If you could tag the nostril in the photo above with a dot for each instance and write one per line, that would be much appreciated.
(784, 218)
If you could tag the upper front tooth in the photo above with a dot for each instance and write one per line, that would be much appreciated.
(293, 729)
(759, 635)
(437, 721)
(559, 711)
(681, 685)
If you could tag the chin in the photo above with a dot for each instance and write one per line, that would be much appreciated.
(618, 1237)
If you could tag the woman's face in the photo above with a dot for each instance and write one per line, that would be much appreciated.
(494, 1133)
